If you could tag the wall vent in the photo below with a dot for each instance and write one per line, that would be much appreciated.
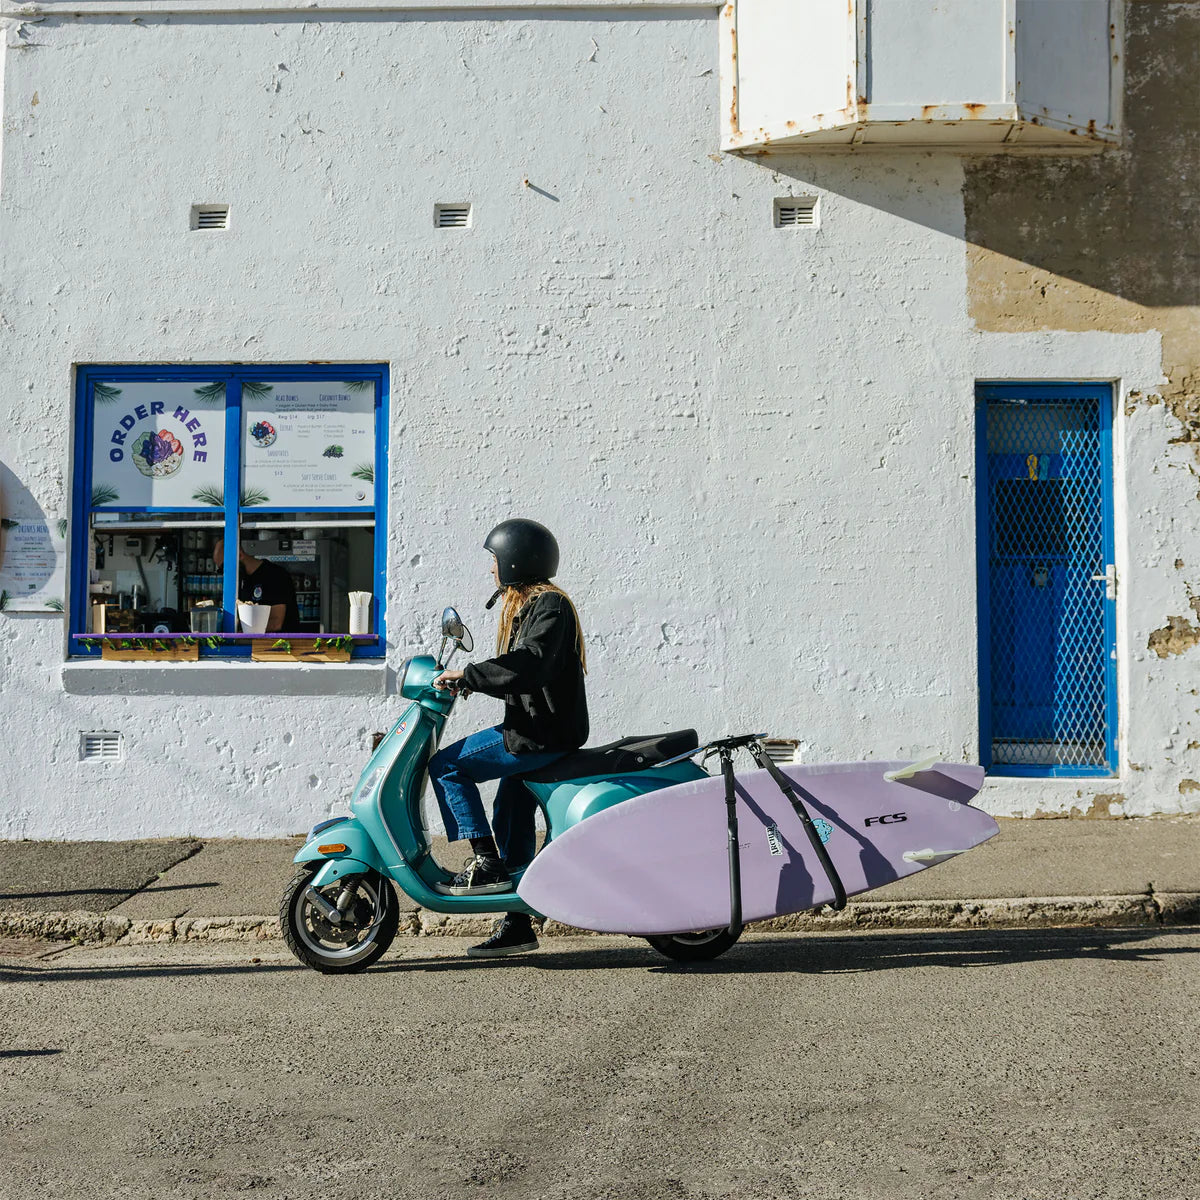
(101, 747)
(452, 216)
(791, 211)
(210, 216)
(781, 750)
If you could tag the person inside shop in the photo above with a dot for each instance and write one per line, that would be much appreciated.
(538, 672)
(261, 581)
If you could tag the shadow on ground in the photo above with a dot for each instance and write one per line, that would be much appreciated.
(758, 955)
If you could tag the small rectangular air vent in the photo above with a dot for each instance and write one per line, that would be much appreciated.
(452, 216)
(791, 211)
(781, 750)
(100, 747)
(210, 216)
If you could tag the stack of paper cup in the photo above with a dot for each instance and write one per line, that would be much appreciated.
(254, 617)
(360, 612)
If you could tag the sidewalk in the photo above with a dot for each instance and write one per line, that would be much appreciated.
(1034, 873)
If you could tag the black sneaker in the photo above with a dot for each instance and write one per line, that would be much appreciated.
(482, 875)
(513, 935)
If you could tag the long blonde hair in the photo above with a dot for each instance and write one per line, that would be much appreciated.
(516, 596)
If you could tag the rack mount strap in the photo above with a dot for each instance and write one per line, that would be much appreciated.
(792, 792)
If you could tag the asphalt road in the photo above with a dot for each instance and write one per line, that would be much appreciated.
(1032, 1066)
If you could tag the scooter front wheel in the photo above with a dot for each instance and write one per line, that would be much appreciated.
(369, 917)
(701, 946)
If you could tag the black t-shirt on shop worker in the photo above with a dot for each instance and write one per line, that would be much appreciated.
(272, 584)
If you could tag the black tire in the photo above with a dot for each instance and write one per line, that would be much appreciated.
(701, 946)
(339, 950)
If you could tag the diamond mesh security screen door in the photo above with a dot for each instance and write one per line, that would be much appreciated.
(1046, 583)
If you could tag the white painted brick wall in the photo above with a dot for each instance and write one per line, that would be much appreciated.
(756, 445)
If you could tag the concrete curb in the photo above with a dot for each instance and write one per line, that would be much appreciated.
(1163, 908)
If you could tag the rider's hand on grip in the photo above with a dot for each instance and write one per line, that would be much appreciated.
(452, 681)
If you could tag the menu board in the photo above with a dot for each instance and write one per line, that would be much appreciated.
(308, 445)
(32, 563)
(158, 445)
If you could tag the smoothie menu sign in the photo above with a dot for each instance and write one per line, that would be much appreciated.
(158, 445)
(308, 445)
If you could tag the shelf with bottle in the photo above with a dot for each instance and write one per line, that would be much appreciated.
(308, 605)
(203, 586)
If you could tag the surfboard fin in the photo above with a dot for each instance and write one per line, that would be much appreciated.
(912, 769)
(929, 858)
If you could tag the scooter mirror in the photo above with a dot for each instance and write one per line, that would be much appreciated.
(452, 627)
(451, 623)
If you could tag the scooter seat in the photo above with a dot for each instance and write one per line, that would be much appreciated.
(621, 757)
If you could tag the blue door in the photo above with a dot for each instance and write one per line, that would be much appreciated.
(1047, 584)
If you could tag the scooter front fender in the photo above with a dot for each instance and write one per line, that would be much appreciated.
(358, 856)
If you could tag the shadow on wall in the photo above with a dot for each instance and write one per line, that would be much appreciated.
(18, 506)
(1063, 242)
(1122, 223)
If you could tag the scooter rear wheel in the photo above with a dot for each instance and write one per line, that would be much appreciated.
(701, 946)
(368, 927)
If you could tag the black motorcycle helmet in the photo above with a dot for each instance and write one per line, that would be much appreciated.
(525, 551)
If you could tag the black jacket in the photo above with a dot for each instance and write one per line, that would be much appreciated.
(539, 678)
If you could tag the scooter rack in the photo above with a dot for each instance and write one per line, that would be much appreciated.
(724, 748)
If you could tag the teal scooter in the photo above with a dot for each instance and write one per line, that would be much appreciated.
(340, 913)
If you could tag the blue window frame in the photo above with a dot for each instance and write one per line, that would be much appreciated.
(1046, 579)
(209, 421)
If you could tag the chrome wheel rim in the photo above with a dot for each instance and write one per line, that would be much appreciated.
(329, 941)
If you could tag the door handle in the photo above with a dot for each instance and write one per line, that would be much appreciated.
(1109, 579)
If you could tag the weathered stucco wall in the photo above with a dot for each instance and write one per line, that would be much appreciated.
(1113, 243)
(756, 444)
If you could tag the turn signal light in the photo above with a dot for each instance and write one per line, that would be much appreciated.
(332, 848)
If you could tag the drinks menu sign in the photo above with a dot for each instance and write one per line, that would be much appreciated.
(32, 562)
(158, 445)
(308, 445)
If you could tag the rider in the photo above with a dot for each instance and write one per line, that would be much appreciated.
(538, 673)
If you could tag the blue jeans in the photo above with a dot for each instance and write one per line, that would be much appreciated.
(456, 769)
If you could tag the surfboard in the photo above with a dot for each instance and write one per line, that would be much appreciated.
(659, 863)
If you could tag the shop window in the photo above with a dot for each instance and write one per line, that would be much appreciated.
(229, 508)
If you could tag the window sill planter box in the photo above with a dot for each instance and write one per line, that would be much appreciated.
(127, 650)
(325, 650)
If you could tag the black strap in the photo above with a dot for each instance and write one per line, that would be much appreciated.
(735, 854)
(789, 789)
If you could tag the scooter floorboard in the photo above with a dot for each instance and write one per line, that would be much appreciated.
(659, 864)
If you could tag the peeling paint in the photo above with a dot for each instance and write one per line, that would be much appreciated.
(1177, 636)
(1106, 807)
(1102, 807)
(1188, 785)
